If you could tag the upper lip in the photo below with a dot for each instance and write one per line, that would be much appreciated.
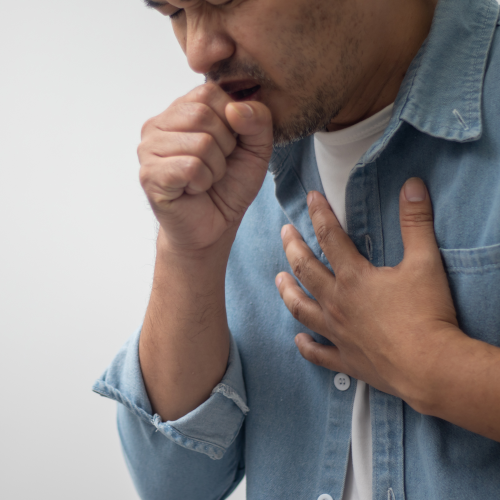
(236, 85)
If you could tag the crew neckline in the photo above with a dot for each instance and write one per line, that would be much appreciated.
(359, 131)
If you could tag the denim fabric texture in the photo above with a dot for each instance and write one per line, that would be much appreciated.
(279, 419)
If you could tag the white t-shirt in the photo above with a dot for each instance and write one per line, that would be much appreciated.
(336, 154)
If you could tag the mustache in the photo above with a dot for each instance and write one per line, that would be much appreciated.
(240, 69)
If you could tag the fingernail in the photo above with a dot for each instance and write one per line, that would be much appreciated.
(244, 110)
(283, 231)
(414, 190)
(278, 280)
(310, 197)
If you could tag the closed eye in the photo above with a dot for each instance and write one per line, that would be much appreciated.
(164, 8)
(176, 14)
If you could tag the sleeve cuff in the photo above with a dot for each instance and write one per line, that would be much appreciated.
(210, 429)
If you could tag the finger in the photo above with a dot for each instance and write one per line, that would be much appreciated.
(168, 178)
(195, 117)
(211, 95)
(417, 223)
(303, 309)
(208, 94)
(199, 145)
(335, 243)
(305, 266)
(322, 355)
(253, 122)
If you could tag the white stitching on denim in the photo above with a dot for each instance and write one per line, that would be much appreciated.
(458, 116)
(390, 494)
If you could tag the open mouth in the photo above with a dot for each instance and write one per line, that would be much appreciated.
(245, 94)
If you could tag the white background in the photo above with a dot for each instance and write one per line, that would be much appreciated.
(77, 81)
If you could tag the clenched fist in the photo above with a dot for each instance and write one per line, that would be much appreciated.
(203, 161)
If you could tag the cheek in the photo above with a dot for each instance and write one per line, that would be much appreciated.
(274, 38)
(254, 26)
(305, 38)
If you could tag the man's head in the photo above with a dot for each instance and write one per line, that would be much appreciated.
(314, 63)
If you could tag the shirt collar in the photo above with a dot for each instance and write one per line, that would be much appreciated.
(441, 93)
(442, 90)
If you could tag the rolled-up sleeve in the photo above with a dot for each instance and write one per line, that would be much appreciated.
(178, 465)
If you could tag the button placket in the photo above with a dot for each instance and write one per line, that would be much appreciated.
(325, 496)
(342, 381)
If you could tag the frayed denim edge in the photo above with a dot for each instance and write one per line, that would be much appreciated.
(230, 393)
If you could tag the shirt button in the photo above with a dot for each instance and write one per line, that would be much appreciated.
(342, 382)
(325, 496)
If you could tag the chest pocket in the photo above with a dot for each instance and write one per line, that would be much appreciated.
(474, 277)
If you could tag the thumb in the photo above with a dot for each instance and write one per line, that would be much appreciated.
(252, 121)
(416, 219)
(327, 356)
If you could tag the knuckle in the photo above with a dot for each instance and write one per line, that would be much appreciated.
(142, 149)
(324, 234)
(205, 93)
(152, 178)
(191, 166)
(203, 143)
(144, 177)
(347, 278)
(418, 218)
(315, 356)
(296, 307)
(301, 267)
(364, 272)
(149, 124)
(261, 152)
(353, 274)
(156, 200)
(146, 150)
(201, 115)
(149, 176)
(336, 313)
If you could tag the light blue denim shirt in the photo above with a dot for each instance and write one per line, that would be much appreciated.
(277, 417)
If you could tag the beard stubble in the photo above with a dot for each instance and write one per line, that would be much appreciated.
(314, 110)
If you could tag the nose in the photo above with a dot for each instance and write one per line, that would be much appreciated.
(206, 43)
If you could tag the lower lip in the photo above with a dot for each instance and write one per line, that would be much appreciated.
(255, 96)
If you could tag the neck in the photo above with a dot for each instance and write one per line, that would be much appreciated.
(385, 67)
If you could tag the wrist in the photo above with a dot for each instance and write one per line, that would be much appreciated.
(191, 273)
(435, 377)
(216, 252)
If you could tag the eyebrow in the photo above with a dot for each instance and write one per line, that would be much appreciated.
(154, 5)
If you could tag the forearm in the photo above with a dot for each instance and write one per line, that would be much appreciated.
(184, 344)
(463, 387)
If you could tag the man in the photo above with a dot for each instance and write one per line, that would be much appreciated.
(393, 391)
